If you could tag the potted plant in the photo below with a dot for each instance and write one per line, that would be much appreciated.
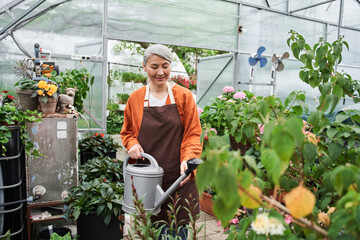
(79, 79)
(315, 161)
(114, 119)
(95, 145)
(47, 94)
(122, 99)
(139, 81)
(96, 201)
(25, 87)
(127, 79)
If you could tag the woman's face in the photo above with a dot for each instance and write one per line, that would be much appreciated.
(158, 69)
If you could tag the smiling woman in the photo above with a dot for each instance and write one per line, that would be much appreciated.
(161, 119)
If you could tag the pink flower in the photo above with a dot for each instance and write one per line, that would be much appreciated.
(218, 223)
(234, 221)
(239, 95)
(228, 89)
(288, 219)
(200, 110)
(211, 131)
(231, 101)
(261, 128)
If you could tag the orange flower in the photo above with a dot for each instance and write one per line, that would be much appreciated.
(102, 135)
(40, 92)
(47, 87)
(53, 88)
(96, 134)
(42, 84)
(50, 92)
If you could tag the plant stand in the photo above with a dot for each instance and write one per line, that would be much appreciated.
(92, 227)
(206, 203)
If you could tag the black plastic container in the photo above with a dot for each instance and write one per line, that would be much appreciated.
(92, 227)
(13, 187)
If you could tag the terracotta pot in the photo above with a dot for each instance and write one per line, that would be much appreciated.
(49, 107)
(239, 146)
(206, 203)
(25, 101)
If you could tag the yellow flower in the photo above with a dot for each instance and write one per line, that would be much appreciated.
(40, 92)
(53, 88)
(42, 84)
(47, 87)
(50, 92)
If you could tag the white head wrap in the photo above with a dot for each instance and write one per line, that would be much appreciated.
(158, 49)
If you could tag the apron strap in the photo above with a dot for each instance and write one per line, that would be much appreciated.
(147, 93)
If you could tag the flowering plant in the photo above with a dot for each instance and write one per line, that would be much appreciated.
(44, 90)
(98, 143)
(189, 83)
(6, 97)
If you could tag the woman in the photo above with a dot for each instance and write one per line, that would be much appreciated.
(161, 119)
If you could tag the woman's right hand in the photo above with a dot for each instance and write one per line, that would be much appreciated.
(135, 151)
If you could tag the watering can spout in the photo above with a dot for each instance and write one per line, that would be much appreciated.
(161, 196)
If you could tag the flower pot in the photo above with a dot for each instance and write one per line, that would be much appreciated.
(49, 107)
(92, 227)
(138, 85)
(25, 101)
(122, 107)
(239, 146)
(206, 203)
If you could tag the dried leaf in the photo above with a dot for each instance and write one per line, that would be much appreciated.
(300, 201)
(324, 219)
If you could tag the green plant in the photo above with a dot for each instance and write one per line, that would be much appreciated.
(317, 162)
(7, 236)
(100, 189)
(80, 79)
(122, 97)
(138, 78)
(10, 115)
(126, 77)
(114, 121)
(55, 236)
(98, 143)
(45, 90)
(25, 83)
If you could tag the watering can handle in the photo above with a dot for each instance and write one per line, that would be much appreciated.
(145, 155)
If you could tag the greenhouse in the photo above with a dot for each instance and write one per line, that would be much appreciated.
(120, 118)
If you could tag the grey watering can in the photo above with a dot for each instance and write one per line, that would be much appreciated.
(147, 179)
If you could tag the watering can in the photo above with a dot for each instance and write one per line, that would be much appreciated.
(147, 179)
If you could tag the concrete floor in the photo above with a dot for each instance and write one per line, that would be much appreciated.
(210, 230)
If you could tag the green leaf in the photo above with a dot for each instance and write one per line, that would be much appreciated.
(204, 175)
(226, 185)
(335, 150)
(284, 146)
(107, 219)
(295, 49)
(309, 152)
(273, 164)
(225, 211)
(343, 179)
(304, 76)
(251, 162)
(100, 209)
(314, 118)
(294, 127)
(245, 178)
(325, 89)
(109, 205)
(338, 91)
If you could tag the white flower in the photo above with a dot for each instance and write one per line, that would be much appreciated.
(264, 224)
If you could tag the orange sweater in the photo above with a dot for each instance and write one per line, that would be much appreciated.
(190, 146)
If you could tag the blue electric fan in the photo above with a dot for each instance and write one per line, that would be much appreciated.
(253, 59)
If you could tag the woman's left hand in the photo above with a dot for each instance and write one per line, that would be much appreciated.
(183, 168)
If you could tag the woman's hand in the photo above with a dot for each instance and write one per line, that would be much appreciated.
(183, 168)
(135, 151)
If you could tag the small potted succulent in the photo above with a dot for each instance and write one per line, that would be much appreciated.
(95, 145)
(96, 201)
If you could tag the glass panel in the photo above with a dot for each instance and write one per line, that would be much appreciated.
(328, 12)
(208, 70)
(286, 81)
(351, 15)
(351, 57)
(272, 30)
(64, 29)
(175, 24)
